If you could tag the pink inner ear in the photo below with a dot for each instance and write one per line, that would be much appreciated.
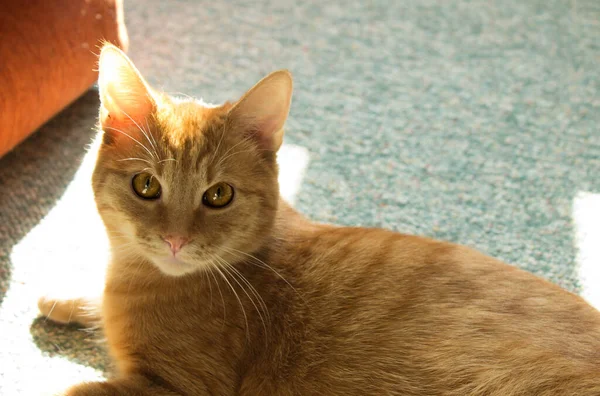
(126, 105)
(124, 130)
(124, 116)
(263, 110)
(267, 126)
(263, 132)
(126, 99)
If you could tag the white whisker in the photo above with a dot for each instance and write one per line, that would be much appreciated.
(72, 309)
(220, 293)
(136, 159)
(244, 140)
(252, 288)
(155, 156)
(132, 138)
(218, 145)
(266, 266)
(153, 138)
(238, 299)
(131, 279)
(240, 152)
(51, 310)
(232, 271)
(209, 288)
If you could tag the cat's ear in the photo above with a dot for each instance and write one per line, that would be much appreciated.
(262, 111)
(126, 99)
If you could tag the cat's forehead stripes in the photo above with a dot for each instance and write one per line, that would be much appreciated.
(189, 159)
(188, 134)
(188, 122)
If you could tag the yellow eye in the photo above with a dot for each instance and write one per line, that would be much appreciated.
(218, 196)
(146, 186)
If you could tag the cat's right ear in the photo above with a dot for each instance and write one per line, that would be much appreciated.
(126, 99)
(263, 110)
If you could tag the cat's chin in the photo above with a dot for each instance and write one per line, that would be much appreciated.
(174, 267)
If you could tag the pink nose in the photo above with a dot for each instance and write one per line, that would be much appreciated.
(176, 242)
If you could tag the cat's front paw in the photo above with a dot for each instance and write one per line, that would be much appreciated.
(90, 389)
(128, 386)
(83, 311)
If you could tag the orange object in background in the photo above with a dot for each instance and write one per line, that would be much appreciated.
(48, 58)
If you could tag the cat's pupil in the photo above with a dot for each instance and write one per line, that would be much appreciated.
(218, 194)
(147, 185)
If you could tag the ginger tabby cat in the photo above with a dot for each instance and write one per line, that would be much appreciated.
(218, 287)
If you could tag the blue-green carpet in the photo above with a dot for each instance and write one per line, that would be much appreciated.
(475, 121)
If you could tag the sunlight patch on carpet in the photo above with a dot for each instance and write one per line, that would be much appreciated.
(586, 216)
(65, 256)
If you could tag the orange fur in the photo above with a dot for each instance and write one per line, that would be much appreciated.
(277, 305)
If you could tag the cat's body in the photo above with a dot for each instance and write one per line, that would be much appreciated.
(371, 313)
(317, 309)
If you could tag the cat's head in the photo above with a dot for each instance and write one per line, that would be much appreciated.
(182, 184)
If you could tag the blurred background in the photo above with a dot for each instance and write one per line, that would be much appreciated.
(473, 121)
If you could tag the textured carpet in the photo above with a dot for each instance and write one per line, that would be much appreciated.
(471, 121)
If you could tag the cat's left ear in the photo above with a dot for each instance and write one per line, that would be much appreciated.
(126, 99)
(263, 110)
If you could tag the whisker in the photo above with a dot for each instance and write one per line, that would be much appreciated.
(72, 309)
(261, 303)
(122, 235)
(136, 159)
(240, 152)
(147, 277)
(244, 140)
(209, 287)
(238, 299)
(153, 138)
(123, 245)
(218, 145)
(133, 276)
(132, 138)
(266, 266)
(118, 232)
(182, 94)
(252, 288)
(130, 264)
(219, 288)
(123, 249)
(51, 310)
(143, 132)
(227, 268)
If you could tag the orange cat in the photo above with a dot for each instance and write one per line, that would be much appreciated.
(218, 287)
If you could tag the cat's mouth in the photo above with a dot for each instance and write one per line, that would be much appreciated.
(173, 266)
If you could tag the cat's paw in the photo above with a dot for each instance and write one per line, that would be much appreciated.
(83, 311)
(128, 386)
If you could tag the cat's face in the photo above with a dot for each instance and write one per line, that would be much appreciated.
(181, 184)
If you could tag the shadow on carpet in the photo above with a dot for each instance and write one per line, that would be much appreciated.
(79, 345)
(59, 145)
